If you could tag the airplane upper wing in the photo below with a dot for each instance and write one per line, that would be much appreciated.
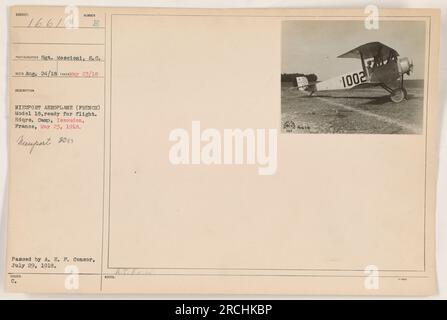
(369, 50)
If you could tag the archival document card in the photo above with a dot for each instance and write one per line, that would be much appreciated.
(222, 151)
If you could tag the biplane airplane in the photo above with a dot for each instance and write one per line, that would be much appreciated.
(381, 66)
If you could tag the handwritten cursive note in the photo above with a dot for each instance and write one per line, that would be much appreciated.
(32, 143)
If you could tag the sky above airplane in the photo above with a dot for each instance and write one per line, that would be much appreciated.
(313, 46)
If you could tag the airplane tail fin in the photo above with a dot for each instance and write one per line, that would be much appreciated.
(302, 83)
(306, 82)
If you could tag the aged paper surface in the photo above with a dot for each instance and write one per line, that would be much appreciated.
(184, 151)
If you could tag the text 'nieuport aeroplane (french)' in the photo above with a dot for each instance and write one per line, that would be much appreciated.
(381, 66)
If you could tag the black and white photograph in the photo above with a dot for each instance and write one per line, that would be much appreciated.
(223, 159)
(343, 77)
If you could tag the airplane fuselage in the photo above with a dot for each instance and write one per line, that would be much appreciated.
(386, 73)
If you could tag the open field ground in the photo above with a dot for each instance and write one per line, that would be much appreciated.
(367, 110)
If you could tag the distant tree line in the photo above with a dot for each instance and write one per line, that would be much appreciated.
(291, 77)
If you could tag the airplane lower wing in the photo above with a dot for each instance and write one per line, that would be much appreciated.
(366, 85)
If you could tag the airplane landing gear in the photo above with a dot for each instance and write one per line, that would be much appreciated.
(398, 95)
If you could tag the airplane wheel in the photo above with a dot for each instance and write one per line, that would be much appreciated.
(398, 95)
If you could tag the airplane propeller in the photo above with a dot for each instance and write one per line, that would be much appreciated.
(411, 67)
(406, 65)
